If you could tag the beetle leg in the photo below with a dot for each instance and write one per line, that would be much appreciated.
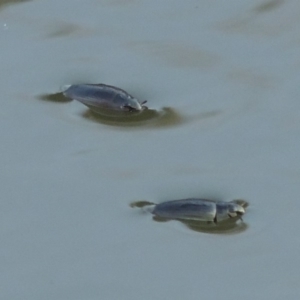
(215, 219)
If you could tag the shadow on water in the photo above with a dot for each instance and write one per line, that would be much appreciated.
(149, 118)
(230, 226)
(268, 6)
(63, 30)
(167, 117)
(58, 98)
(4, 3)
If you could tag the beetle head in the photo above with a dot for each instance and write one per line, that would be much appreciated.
(235, 210)
(130, 108)
(133, 105)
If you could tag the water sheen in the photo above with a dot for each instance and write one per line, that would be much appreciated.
(222, 83)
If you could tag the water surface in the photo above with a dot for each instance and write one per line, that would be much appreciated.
(229, 73)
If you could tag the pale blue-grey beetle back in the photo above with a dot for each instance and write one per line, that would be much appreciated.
(103, 97)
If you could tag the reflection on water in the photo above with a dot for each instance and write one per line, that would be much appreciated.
(226, 227)
(63, 30)
(176, 55)
(230, 226)
(7, 2)
(167, 117)
(253, 21)
(268, 6)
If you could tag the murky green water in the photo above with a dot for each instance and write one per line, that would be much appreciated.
(222, 84)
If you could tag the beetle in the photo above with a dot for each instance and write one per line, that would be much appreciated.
(102, 97)
(197, 209)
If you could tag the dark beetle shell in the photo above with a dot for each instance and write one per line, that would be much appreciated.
(187, 209)
(198, 214)
(102, 97)
(199, 209)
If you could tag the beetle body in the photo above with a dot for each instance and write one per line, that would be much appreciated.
(199, 209)
(103, 97)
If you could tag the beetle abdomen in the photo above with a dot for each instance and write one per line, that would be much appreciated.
(187, 209)
(101, 96)
(200, 209)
